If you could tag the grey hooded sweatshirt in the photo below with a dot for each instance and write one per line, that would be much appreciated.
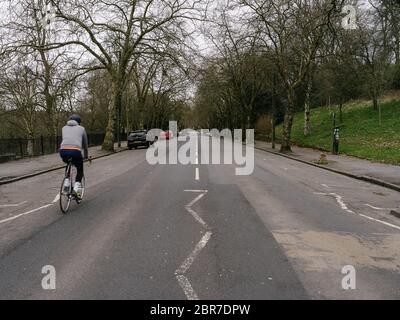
(74, 137)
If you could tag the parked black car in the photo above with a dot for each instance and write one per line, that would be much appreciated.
(138, 139)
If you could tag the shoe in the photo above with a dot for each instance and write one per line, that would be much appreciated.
(78, 189)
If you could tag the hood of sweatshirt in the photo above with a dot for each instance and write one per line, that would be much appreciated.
(72, 123)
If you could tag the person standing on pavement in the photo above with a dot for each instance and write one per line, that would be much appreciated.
(74, 142)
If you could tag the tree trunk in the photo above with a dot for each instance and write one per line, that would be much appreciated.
(273, 104)
(380, 114)
(51, 113)
(49, 99)
(375, 97)
(55, 132)
(375, 101)
(288, 121)
(307, 110)
(273, 135)
(115, 104)
(30, 145)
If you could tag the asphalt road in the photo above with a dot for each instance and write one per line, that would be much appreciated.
(200, 232)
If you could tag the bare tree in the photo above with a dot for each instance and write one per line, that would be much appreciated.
(242, 64)
(388, 17)
(116, 34)
(19, 96)
(28, 34)
(294, 30)
(374, 51)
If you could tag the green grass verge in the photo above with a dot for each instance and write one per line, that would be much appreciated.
(360, 136)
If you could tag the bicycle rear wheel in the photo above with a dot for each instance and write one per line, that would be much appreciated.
(65, 197)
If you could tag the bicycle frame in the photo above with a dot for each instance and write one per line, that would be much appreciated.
(68, 197)
(68, 170)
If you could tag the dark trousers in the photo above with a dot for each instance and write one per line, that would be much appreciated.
(77, 161)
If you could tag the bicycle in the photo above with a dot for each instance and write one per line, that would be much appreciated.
(67, 194)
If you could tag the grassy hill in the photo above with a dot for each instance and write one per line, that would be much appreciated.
(361, 135)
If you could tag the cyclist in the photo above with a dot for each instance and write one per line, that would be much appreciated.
(74, 141)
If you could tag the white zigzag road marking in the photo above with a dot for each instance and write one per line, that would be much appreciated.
(190, 259)
(197, 217)
(343, 205)
(181, 271)
(380, 209)
(187, 287)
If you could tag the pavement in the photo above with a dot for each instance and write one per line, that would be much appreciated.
(28, 166)
(198, 231)
(353, 165)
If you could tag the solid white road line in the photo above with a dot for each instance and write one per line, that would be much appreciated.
(31, 211)
(380, 221)
(12, 205)
(190, 259)
(197, 217)
(195, 200)
(196, 191)
(187, 287)
(189, 209)
(25, 213)
(56, 198)
(343, 205)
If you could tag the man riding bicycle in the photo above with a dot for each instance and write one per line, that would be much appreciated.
(74, 141)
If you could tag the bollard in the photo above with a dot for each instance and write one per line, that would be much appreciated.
(336, 134)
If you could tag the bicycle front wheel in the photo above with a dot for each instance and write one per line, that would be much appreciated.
(65, 197)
